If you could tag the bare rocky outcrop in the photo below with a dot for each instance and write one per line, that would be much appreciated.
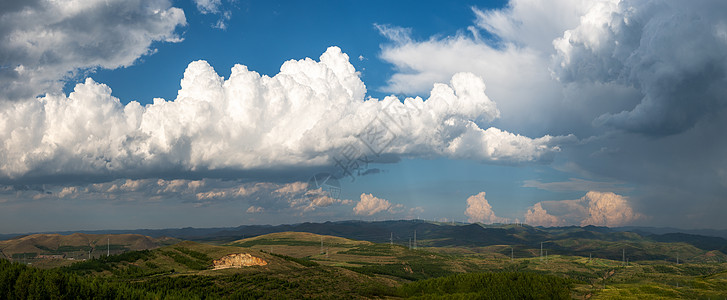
(238, 260)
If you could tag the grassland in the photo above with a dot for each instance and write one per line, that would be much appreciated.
(305, 265)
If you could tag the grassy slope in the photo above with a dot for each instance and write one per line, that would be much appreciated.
(656, 278)
(76, 245)
(187, 264)
(355, 268)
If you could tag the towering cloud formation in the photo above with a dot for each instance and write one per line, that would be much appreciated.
(308, 113)
(538, 216)
(595, 208)
(603, 69)
(608, 209)
(42, 42)
(674, 52)
(519, 56)
(479, 210)
(650, 67)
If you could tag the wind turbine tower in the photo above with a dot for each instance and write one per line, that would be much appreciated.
(415, 239)
(541, 250)
(546, 256)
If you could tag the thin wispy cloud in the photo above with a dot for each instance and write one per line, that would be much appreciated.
(577, 184)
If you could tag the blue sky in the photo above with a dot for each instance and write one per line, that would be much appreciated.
(263, 35)
(573, 113)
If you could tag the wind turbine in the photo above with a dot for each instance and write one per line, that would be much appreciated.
(541, 250)
(415, 239)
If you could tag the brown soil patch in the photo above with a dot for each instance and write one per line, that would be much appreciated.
(238, 260)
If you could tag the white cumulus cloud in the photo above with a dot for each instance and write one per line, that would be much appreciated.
(595, 208)
(43, 42)
(608, 209)
(370, 205)
(479, 210)
(513, 61)
(310, 199)
(538, 216)
(304, 116)
(651, 67)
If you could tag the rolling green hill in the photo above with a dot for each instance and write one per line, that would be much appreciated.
(57, 249)
(596, 241)
(187, 269)
(600, 241)
(295, 265)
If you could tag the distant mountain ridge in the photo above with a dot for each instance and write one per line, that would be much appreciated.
(640, 242)
(665, 230)
(193, 233)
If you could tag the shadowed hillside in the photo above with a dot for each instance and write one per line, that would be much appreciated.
(76, 246)
(525, 240)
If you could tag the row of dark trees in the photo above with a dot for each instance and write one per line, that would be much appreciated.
(18, 281)
(505, 285)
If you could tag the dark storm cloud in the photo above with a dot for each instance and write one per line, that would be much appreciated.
(674, 53)
(643, 84)
(676, 176)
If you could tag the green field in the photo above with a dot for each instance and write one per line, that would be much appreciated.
(304, 265)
